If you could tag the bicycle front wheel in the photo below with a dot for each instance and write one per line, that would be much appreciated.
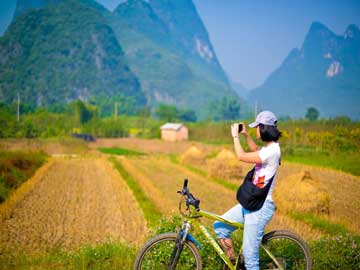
(157, 254)
(284, 250)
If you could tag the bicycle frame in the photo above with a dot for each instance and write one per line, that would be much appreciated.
(195, 221)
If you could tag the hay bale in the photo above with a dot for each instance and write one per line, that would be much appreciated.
(301, 192)
(193, 156)
(225, 165)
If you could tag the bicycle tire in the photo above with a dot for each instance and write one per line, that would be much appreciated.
(286, 253)
(161, 259)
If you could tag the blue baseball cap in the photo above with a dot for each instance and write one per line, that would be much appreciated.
(265, 118)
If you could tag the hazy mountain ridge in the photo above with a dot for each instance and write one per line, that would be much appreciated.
(172, 64)
(324, 74)
(188, 30)
(58, 54)
(169, 71)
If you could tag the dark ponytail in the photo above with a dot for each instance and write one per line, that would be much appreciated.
(269, 133)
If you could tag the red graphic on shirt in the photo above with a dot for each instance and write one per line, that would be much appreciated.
(258, 181)
(261, 181)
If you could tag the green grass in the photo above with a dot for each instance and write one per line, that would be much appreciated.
(16, 168)
(330, 253)
(333, 252)
(105, 256)
(336, 252)
(120, 151)
(152, 214)
(320, 223)
(347, 162)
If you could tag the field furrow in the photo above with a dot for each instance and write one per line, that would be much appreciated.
(343, 189)
(169, 177)
(76, 202)
(152, 191)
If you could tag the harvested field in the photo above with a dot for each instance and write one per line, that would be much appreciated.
(169, 178)
(303, 193)
(49, 146)
(73, 203)
(284, 222)
(226, 166)
(161, 179)
(193, 156)
(343, 190)
(77, 201)
(153, 146)
(149, 187)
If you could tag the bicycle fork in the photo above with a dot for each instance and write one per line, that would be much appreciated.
(179, 245)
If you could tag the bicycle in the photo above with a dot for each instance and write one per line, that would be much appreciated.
(280, 249)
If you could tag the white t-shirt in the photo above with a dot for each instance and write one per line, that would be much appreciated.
(270, 159)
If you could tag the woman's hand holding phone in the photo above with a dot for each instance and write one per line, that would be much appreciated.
(242, 128)
(238, 128)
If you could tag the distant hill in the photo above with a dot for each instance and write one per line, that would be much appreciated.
(62, 51)
(324, 74)
(152, 52)
(239, 88)
(168, 48)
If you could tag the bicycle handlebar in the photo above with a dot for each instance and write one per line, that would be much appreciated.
(190, 199)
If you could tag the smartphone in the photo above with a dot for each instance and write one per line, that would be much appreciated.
(240, 127)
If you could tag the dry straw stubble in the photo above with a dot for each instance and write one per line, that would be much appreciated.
(75, 202)
(225, 166)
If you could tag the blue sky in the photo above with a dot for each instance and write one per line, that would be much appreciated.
(252, 37)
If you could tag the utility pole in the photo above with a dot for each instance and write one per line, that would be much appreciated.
(18, 107)
(115, 110)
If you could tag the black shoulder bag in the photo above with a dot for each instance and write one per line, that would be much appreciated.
(250, 196)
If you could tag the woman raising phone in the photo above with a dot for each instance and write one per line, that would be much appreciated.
(256, 206)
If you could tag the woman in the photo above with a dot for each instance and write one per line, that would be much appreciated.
(267, 160)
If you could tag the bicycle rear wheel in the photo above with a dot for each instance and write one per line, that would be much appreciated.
(157, 253)
(287, 251)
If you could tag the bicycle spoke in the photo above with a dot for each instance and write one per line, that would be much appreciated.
(159, 257)
(285, 253)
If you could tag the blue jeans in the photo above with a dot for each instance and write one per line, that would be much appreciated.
(254, 225)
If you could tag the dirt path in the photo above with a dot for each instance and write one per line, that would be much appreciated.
(76, 202)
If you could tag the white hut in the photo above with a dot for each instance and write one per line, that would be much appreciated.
(174, 132)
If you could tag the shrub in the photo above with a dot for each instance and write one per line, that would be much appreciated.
(336, 252)
(16, 168)
(210, 258)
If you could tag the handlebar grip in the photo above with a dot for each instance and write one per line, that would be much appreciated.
(185, 183)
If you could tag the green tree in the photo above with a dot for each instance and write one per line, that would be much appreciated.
(144, 114)
(226, 109)
(167, 113)
(106, 104)
(187, 116)
(84, 112)
(30, 130)
(312, 114)
(7, 120)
